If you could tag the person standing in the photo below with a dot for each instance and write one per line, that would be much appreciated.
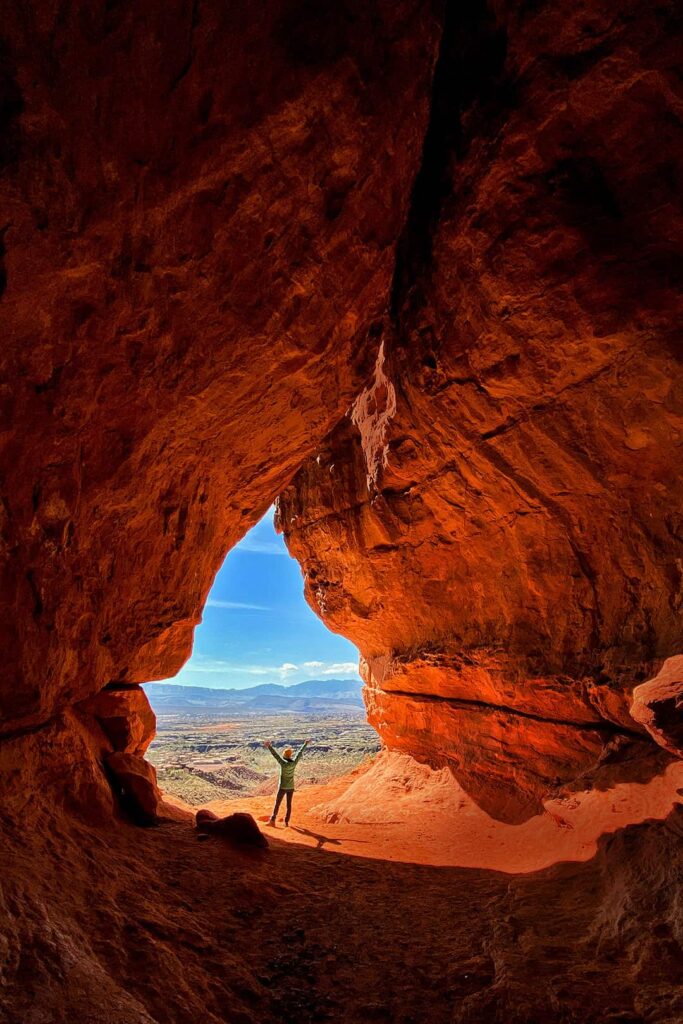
(288, 763)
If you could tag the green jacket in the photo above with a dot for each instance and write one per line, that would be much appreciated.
(287, 767)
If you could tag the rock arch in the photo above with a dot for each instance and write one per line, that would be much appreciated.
(213, 225)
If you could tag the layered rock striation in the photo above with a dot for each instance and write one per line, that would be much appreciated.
(497, 523)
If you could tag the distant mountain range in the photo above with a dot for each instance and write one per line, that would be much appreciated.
(313, 696)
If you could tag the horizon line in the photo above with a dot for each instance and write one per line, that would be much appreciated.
(253, 686)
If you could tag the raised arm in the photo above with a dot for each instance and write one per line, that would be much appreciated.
(269, 746)
(303, 747)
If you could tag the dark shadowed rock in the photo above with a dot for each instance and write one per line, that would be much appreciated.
(134, 781)
(658, 706)
(239, 828)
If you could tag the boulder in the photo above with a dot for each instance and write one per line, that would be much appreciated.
(125, 716)
(239, 828)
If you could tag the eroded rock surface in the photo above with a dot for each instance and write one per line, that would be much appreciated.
(497, 523)
(239, 828)
(125, 715)
(134, 926)
(134, 781)
(59, 765)
(198, 216)
(204, 259)
(658, 705)
(218, 232)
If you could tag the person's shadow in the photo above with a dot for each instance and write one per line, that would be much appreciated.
(322, 840)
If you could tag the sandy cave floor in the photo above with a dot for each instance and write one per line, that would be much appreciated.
(395, 809)
(131, 926)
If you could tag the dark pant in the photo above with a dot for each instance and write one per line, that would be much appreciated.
(289, 793)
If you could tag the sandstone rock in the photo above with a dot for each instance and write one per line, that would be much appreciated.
(196, 255)
(135, 783)
(58, 767)
(239, 828)
(496, 524)
(147, 926)
(418, 814)
(126, 717)
(658, 705)
(218, 233)
(463, 228)
(509, 763)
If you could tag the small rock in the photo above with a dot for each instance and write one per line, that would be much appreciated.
(239, 828)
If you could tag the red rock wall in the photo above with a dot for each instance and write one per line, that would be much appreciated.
(214, 226)
(199, 206)
(497, 524)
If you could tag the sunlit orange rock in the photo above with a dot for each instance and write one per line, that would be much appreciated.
(126, 717)
(411, 812)
(496, 523)
(444, 303)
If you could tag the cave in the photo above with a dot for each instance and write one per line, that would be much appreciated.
(412, 272)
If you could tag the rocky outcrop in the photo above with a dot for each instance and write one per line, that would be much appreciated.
(59, 767)
(239, 828)
(125, 715)
(219, 233)
(658, 706)
(130, 925)
(497, 523)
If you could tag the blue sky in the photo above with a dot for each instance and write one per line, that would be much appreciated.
(257, 627)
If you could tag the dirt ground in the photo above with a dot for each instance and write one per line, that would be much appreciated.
(133, 926)
(395, 809)
(200, 758)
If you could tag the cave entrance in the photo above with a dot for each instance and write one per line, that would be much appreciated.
(263, 667)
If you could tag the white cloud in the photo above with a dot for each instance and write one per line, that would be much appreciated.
(216, 666)
(207, 665)
(211, 603)
(260, 547)
(340, 668)
(287, 672)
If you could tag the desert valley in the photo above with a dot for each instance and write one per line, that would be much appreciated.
(209, 743)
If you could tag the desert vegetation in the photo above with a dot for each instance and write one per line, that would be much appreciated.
(209, 741)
